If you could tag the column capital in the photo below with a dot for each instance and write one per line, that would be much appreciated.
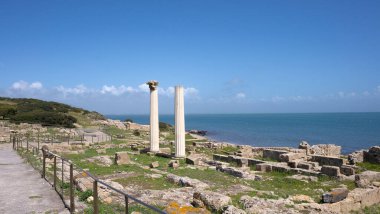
(152, 84)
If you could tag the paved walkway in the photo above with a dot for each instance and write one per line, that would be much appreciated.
(21, 188)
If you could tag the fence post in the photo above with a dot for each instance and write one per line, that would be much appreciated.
(14, 142)
(27, 145)
(38, 141)
(43, 164)
(126, 204)
(55, 173)
(72, 203)
(95, 195)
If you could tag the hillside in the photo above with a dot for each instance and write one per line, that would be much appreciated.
(25, 110)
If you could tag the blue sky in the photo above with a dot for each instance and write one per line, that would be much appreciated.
(231, 56)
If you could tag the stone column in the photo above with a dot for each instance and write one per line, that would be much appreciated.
(154, 126)
(179, 109)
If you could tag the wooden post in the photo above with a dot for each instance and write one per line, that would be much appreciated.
(55, 173)
(96, 199)
(68, 139)
(72, 203)
(14, 142)
(27, 145)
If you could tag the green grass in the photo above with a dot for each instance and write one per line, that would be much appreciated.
(369, 166)
(374, 209)
(113, 208)
(146, 183)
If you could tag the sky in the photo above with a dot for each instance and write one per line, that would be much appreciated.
(241, 56)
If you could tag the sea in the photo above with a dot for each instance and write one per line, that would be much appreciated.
(352, 131)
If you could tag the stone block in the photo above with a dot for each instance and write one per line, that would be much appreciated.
(242, 162)
(279, 168)
(332, 171)
(223, 158)
(293, 164)
(264, 167)
(273, 154)
(122, 158)
(347, 170)
(337, 194)
(324, 160)
(192, 160)
(252, 162)
(304, 165)
(291, 156)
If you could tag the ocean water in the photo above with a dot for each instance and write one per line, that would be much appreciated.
(352, 131)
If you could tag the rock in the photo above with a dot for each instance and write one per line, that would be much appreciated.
(154, 164)
(373, 155)
(301, 198)
(212, 200)
(325, 150)
(166, 150)
(366, 178)
(153, 175)
(101, 160)
(174, 164)
(192, 160)
(233, 210)
(83, 183)
(304, 145)
(332, 171)
(242, 162)
(122, 158)
(101, 151)
(356, 157)
(337, 194)
(264, 167)
(90, 199)
(186, 181)
(135, 212)
(304, 178)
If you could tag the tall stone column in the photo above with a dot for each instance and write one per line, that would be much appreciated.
(154, 123)
(179, 122)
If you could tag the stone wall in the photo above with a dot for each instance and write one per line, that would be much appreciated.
(331, 161)
(372, 155)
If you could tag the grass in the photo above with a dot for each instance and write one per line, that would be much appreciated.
(374, 209)
(369, 166)
(146, 182)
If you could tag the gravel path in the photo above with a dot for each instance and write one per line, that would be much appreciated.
(21, 188)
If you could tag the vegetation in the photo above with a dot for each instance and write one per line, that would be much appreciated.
(21, 110)
(369, 166)
(165, 127)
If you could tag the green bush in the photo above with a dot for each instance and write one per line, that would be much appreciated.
(84, 195)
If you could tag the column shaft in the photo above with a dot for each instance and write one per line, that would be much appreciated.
(180, 141)
(154, 123)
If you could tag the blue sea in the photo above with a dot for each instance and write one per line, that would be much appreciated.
(352, 131)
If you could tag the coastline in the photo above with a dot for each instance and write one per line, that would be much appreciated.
(352, 131)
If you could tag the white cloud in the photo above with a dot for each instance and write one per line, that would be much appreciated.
(78, 90)
(144, 87)
(191, 91)
(117, 90)
(36, 85)
(24, 86)
(240, 95)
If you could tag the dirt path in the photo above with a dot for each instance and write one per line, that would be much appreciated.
(21, 188)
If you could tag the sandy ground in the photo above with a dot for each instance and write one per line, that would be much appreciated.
(21, 188)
